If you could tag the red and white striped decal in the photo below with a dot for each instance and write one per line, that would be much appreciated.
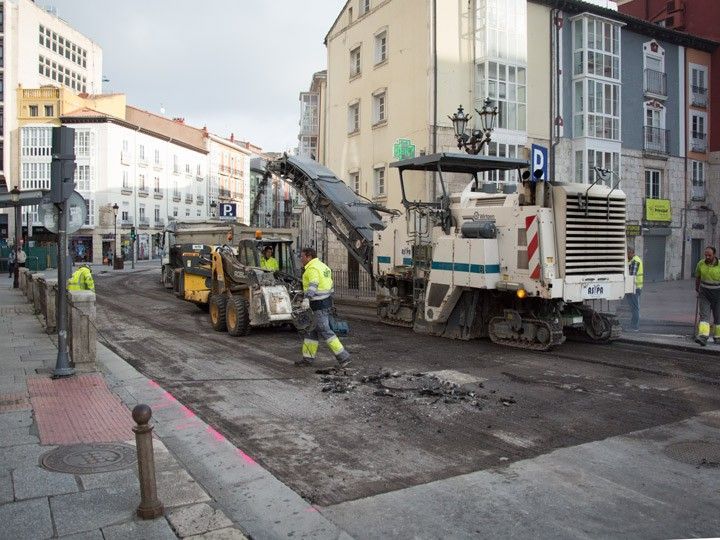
(531, 229)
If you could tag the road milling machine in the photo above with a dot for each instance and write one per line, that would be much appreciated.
(518, 267)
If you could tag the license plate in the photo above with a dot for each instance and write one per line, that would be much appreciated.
(593, 290)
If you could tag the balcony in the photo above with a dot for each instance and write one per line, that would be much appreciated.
(698, 142)
(188, 198)
(125, 157)
(199, 177)
(699, 96)
(157, 166)
(143, 191)
(656, 140)
(143, 223)
(176, 196)
(159, 223)
(224, 193)
(698, 193)
(126, 223)
(158, 194)
(200, 200)
(655, 83)
(126, 190)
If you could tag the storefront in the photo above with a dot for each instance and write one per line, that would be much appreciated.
(81, 248)
(143, 247)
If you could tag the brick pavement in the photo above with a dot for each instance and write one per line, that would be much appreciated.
(78, 410)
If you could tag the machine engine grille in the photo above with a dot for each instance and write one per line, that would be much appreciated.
(594, 235)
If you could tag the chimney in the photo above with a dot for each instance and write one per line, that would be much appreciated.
(179, 120)
(232, 137)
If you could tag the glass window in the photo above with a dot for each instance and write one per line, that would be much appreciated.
(354, 118)
(379, 181)
(355, 181)
(381, 47)
(355, 62)
(379, 108)
(33, 110)
(653, 184)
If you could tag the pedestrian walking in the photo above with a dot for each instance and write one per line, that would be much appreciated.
(11, 261)
(81, 279)
(318, 289)
(707, 285)
(20, 258)
(635, 268)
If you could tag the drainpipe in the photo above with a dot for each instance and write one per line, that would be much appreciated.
(554, 88)
(435, 96)
(685, 177)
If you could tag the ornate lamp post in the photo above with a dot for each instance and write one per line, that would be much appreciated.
(478, 138)
(115, 208)
(15, 199)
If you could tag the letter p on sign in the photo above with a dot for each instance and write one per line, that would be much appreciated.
(228, 210)
(539, 160)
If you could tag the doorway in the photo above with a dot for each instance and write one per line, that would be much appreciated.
(654, 258)
(696, 253)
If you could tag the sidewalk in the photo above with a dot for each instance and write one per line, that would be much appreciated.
(209, 488)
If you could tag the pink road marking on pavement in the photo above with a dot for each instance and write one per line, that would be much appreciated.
(187, 412)
(167, 395)
(246, 458)
(311, 509)
(215, 434)
(153, 384)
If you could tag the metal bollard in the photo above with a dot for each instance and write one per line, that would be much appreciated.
(150, 506)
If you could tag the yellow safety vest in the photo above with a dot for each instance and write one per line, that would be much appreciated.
(319, 274)
(81, 280)
(269, 264)
(639, 275)
(709, 274)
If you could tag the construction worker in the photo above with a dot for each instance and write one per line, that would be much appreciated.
(707, 285)
(81, 279)
(318, 288)
(267, 261)
(635, 267)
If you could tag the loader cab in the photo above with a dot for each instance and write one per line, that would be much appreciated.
(250, 253)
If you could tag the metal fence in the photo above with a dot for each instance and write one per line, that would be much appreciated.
(353, 286)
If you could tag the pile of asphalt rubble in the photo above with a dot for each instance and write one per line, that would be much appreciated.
(404, 385)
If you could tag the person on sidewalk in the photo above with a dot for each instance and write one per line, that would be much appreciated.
(707, 285)
(267, 261)
(20, 258)
(11, 261)
(318, 288)
(635, 267)
(81, 279)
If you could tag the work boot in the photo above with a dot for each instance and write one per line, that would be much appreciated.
(344, 361)
(303, 362)
(702, 340)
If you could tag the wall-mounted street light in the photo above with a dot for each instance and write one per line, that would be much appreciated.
(478, 138)
(115, 208)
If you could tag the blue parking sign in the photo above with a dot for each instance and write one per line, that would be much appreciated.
(228, 210)
(539, 160)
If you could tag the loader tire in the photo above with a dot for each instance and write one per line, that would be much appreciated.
(237, 316)
(218, 306)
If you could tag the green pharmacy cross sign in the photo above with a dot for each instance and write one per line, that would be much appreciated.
(403, 149)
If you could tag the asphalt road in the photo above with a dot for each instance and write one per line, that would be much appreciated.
(389, 421)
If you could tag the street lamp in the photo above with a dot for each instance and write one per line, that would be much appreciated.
(15, 200)
(115, 208)
(474, 142)
(213, 207)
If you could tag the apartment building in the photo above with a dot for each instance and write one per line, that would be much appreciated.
(591, 87)
(37, 48)
(229, 180)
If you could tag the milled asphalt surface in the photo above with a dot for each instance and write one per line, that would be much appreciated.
(620, 486)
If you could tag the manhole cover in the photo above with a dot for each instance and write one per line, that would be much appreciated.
(695, 453)
(90, 458)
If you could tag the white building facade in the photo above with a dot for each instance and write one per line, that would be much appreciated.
(38, 48)
(229, 175)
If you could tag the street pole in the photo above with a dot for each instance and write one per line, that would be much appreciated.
(18, 238)
(115, 243)
(62, 364)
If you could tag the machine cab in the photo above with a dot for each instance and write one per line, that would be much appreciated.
(250, 253)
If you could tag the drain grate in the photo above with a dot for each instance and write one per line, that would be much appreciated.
(90, 458)
(698, 453)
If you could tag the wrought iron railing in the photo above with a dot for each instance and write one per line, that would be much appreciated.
(699, 96)
(656, 140)
(655, 82)
(698, 141)
(353, 285)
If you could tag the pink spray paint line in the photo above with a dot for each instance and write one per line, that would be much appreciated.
(187, 412)
(215, 434)
(153, 384)
(246, 458)
(167, 395)
(311, 509)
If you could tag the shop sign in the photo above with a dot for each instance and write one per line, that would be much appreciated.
(633, 229)
(658, 210)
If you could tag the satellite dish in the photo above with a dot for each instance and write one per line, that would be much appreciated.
(77, 214)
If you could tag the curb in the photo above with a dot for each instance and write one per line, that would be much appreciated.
(710, 350)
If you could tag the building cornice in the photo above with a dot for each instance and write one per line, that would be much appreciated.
(633, 23)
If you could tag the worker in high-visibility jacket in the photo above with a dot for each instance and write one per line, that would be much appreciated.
(318, 289)
(707, 285)
(267, 261)
(635, 269)
(81, 280)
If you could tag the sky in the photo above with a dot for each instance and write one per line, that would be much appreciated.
(235, 66)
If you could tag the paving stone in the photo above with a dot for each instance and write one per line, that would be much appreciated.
(6, 488)
(94, 509)
(197, 519)
(26, 520)
(15, 419)
(89, 535)
(228, 533)
(14, 437)
(177, 488)
(23, 455)
(32, 482)
(156, 529)
(125, 478)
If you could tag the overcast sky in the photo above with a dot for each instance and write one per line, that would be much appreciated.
(236, 66)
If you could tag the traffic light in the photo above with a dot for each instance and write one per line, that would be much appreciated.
(62, 166)
(133, 234)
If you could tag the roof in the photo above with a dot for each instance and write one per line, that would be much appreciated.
(87, 112)
(633, 23)
(459, 163)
